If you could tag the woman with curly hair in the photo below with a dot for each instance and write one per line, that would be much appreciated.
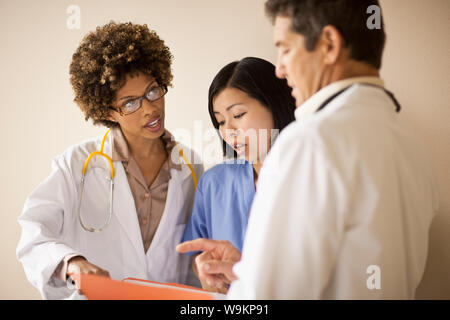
(127, 225)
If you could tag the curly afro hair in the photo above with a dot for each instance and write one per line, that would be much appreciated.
(105, 56)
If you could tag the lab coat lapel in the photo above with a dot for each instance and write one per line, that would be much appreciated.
(178, 190)
(123, 204)
(178, 187)
(174, 203)
(125, 209)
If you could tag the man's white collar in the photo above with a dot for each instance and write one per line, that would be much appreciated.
(310, 106)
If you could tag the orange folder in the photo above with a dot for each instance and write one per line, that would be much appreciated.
(103, 288)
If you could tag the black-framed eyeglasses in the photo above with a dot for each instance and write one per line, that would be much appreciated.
(132, 105)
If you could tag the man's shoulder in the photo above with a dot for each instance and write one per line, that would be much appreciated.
(359, 109)
(299, 134)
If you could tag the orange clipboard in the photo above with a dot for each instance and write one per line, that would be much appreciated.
(103, 288)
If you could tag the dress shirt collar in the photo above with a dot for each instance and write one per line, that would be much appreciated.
(310, 106)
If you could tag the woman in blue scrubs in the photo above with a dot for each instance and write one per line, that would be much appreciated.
(248, 105)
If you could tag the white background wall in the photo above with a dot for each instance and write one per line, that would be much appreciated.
(39, 119)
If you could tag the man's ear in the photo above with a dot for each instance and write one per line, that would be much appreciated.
(332, 44)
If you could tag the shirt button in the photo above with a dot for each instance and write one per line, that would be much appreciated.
(147, 195)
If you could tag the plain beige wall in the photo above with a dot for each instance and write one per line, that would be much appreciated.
(417, 69)
(39, 119)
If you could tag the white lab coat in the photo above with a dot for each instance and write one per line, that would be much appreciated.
(51, 229)
(344, 190)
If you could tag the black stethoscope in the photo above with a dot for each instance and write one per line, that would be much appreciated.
(390, 94)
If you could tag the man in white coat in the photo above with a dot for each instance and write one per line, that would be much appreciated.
(346, 196)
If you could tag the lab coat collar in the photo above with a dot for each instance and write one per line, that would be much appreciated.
(177, 165)
(310, 106)
(176, 162)
(174, 200)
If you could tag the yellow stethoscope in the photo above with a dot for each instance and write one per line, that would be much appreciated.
(111, 179)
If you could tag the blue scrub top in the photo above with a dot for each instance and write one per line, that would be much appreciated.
(222, 203)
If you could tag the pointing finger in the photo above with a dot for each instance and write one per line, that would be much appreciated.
(200, 244)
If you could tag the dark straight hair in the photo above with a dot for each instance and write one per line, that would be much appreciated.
(349, 17)
(256, 77)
